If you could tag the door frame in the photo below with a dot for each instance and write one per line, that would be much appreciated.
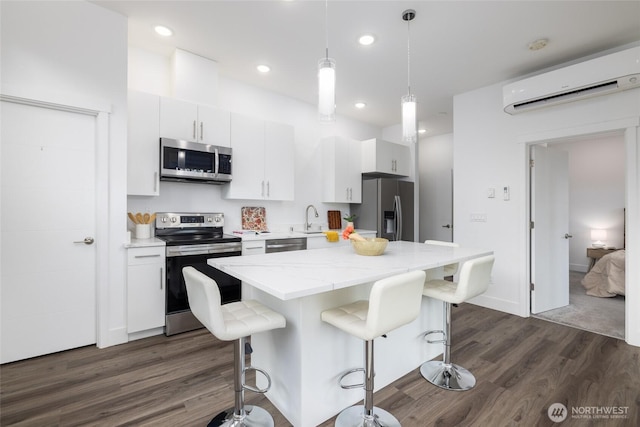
(630, 128)
(101, 111)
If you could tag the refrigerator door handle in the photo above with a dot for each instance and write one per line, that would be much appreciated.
(398, 212)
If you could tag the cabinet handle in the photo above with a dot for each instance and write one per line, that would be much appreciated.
(194, 129)
(347, 193)
(201, 131)
(161, 277)
(268, 189)
(147, 256)
(350, 193)
(155, 182)
(262, 192)
(254, 247)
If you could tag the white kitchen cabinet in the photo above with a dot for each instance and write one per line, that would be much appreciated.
(192, 122)
(385, 158)
(145, 288)
(143, 153)
(263, 160)
(253, 247)
(342, 170)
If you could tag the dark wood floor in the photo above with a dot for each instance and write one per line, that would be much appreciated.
(522, 367)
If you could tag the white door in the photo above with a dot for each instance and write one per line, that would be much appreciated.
(48, 283)
(550, 233)
(436, 189)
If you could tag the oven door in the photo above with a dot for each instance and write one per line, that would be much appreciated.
(178, 314)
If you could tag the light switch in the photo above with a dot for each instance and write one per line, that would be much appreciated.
(491, 193)
(506, 193)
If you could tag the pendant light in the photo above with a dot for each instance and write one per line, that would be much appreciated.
(326, 80)
(409, 123)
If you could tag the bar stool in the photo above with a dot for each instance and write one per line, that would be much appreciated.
(475, 276)
(449, 269)
(233, 321)
(393, 302)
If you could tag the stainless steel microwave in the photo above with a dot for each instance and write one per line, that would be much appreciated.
(191, 161)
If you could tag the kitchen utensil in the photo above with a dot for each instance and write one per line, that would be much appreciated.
(147, 218)
(152, 219)
(139, 218)
(334, 219)
(132, 218)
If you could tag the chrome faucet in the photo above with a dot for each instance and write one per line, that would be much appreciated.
(307, 224)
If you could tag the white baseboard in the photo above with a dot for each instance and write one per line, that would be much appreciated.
(579, 267)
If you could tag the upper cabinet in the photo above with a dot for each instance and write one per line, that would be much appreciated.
(263, 160)
(191, 122)
(143, 153)
(385, 158)
(341, 160)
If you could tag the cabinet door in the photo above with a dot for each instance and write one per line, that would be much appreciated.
(247, 142)
(178, 119)
(279, 158)
(143, 162)
(145, 289)
(353, 171)
(214, 126)
(402, 157)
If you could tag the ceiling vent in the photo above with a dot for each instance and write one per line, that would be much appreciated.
(607, 74)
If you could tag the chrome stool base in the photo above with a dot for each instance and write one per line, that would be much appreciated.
(254, 416)
(447, 376)
(354, 416)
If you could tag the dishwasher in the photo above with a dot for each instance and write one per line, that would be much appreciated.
(285, 245)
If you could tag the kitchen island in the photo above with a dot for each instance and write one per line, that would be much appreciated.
(306, 358)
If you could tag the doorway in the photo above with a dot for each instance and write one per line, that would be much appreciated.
(596, 200)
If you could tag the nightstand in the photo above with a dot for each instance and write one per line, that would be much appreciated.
(597, 253)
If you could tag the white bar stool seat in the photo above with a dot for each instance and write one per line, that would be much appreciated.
(228, 322)
(393, 302)
(475, 276)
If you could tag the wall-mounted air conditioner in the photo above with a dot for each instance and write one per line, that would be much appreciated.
(610, 73)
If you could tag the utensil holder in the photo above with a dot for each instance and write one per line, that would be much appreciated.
(143, 231)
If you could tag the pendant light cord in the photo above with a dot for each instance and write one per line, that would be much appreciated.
(326, 27)
(408, 56)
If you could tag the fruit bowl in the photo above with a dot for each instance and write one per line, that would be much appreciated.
(370, 247)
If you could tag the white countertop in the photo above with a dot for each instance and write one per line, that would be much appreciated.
(289, 275)
(145, 243)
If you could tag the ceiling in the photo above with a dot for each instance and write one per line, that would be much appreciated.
(456, 46)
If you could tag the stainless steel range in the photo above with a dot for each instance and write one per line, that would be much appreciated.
(193, 238)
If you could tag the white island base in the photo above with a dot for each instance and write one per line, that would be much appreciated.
(306, 358)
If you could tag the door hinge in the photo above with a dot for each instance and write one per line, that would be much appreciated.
(532, 163)
(532, 287)
(532, 225)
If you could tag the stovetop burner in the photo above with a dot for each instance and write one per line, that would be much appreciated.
(179, 229)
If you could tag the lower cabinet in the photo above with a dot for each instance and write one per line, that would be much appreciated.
(145, 288)
(253, 247)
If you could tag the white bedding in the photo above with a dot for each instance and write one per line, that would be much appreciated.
(606, 278)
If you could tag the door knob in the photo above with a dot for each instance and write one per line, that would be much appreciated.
(446, 226)
(567, 236)
(86, 241)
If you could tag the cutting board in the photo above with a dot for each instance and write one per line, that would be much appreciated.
(254, 218)
(334, 219)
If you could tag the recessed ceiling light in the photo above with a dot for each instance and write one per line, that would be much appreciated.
(163, 31)
(360, 104)
(263, 68)
(422, 130)
(366, 39)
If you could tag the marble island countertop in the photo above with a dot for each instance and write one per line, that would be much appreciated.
(289, 275)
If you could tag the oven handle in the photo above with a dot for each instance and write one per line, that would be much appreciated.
(220, 249)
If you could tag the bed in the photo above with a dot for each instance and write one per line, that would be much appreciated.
(606, 278)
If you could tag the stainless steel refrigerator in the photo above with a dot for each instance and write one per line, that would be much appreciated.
(387, 207)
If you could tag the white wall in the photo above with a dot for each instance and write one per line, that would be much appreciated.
(149, 72)
(74, 51)
(596, 194)
(490, 150)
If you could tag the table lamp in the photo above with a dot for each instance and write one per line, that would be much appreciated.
(598, 236)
